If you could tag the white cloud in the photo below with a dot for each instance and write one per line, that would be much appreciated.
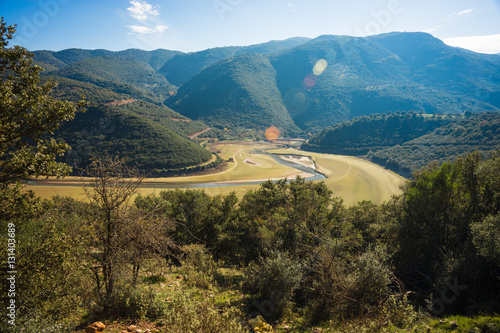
(482, 44)
(292, 7)
(465, 12)
(140, 10)
(141, 29)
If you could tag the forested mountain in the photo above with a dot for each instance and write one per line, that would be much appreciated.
(406, 142)
(320, 82)
(156, 59)
(151, 136)
(335, 78)
(300, 85)
(239, 92)
(117, 132)
(115, 73)
(183, 67)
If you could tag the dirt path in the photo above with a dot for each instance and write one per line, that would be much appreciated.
(198, 133)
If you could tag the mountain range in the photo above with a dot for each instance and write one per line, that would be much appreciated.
(299, 85)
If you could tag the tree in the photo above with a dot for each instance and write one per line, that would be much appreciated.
(118, 236)
(28, 115)
(111, 185)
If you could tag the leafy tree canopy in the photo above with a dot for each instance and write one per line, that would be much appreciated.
(28, 115)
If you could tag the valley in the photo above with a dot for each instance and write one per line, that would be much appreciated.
(252, 163)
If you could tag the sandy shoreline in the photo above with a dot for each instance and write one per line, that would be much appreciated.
(301, 160)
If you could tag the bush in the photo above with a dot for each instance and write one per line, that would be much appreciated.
(194, 314)
(137, 303)
(35, 321)
(339, 289)
(273, 282)
(198, 265)
(153, 279)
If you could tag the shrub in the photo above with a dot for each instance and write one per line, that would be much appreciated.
(341, 289)
(273, 282)
(198, 265)
(194, 314)
(137, 303)
(152, 279)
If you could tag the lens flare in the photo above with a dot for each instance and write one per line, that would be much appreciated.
(309, 81)
(296, 101)
(272, 133)
(320, 67)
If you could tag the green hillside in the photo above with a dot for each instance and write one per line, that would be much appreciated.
(481, 132)
(114, 73)
(364, 77)
(362, 134)
(181, 68)
(150, 135)
(115, 131)
(335, 78)
(73, 90)
(406, 142)
(156, 59)
(319, 82)
(237, 93)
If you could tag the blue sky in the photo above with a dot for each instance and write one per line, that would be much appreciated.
(193, 25)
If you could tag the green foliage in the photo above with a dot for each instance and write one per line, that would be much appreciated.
(238, 92)
(137, 303)
(446, 212)
(50, 281)
(274, 280)
(478, 132)
(60, 59)
(183, 67)
(153, 279)
(112, 72)
(186, 313)
(371, 133)
(405, 142)
(29, 116)
(198, 265)
(198, 218)
(111, 131)
(342, 288)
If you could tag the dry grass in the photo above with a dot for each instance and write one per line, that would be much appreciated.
(351, 178)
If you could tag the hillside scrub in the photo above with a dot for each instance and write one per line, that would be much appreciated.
(288, 251)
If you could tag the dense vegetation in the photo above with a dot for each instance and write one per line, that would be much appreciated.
(362, 76)
(356, 76)
(405, 142)
(237, 93)
(183, 67)
(111, 72)
(290, 252)
(113, 131)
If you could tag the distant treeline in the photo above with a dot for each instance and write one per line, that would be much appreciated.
(187, 170)
(407, 141)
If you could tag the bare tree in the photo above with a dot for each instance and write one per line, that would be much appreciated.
(109, 188)
(147, 237)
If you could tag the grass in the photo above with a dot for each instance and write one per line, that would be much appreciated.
(350, 178)
(354, 179)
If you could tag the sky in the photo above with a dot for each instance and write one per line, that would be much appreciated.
(194, 25)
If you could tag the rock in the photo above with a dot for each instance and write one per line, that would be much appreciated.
(95, 327)
(132, 328)
(258, 324)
